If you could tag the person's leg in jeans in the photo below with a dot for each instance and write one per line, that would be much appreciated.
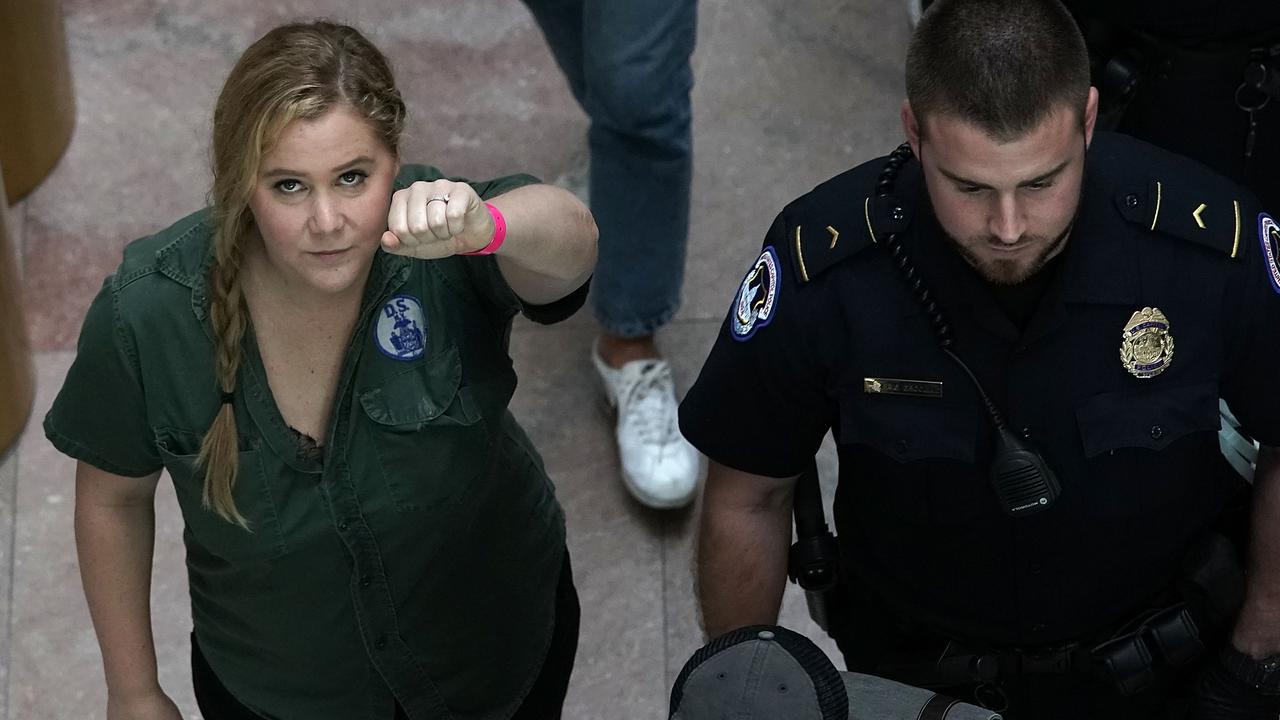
(627, 62)
(561, 22)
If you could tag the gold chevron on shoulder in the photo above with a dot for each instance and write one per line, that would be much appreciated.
(1196, 214)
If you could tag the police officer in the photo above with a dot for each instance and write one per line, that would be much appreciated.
(1018, 331)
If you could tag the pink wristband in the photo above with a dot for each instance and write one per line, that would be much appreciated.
(499, 233)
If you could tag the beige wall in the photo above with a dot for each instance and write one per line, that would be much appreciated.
(15, 352)
(37, 110)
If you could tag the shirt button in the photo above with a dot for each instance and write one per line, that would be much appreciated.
(342, 525)
(1026, 433)
(1157, 432)
(366, 581)
(1131, 200)
(381, 642)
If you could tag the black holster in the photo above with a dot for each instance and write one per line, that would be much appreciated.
(1210, 590)
(814, 560)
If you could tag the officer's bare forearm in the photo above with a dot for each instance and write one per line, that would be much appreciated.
(115, 539)
(743, 539)
(1257, 630)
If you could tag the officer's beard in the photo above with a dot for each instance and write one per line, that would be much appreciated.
(999, 271)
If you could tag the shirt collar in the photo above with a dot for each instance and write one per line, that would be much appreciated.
(1101, 265)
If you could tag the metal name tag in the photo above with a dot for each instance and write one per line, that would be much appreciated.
(894, 386)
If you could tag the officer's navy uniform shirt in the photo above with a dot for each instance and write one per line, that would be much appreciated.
(1138, 459)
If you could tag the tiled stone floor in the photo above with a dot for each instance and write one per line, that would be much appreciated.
(788, 93)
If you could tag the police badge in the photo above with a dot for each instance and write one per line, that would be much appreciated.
(1146, 346)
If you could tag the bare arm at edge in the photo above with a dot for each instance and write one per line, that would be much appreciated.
(743, 540)
(115, 541)
(1257, 630)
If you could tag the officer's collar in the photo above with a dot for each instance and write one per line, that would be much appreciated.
(1096, 267)
(1099, 264)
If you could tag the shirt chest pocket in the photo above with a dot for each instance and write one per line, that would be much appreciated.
(915, 458)
(1148, 448)
(427, 433)
(910, 430)
(208, 533)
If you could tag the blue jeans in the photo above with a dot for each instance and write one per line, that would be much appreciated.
(627, 63)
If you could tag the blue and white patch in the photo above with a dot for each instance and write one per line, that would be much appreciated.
(1269, 235)
(401, 330)
(757, 297)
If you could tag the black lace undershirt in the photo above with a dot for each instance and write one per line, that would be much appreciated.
(309, 451)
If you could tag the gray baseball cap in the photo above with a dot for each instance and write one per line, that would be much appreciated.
(766, 672)
(757, 673)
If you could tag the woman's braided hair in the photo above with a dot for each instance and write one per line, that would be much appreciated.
(295, 72)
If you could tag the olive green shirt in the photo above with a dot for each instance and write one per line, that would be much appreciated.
(416, 561)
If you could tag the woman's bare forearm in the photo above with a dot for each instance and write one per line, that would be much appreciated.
(115, 541)
(551, 242)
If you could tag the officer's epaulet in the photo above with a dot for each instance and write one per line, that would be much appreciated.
(837, 220)
(1188, 201)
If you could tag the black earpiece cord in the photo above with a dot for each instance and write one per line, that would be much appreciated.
(1021, 478)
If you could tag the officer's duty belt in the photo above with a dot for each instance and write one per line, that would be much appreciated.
(1165, 639)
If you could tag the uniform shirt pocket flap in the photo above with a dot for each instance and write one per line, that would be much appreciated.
(417, 395)
(909, 430)
(1148, 418)
(253, 494)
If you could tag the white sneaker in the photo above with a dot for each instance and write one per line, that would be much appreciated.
(659, 466)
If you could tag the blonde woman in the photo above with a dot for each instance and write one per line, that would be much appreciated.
(320, 362)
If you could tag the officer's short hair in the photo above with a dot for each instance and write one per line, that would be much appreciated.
(1000, 64)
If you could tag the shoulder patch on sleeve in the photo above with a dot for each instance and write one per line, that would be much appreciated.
(837, 220)
(1269, 236)
(755, 302)
(1204, 210)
